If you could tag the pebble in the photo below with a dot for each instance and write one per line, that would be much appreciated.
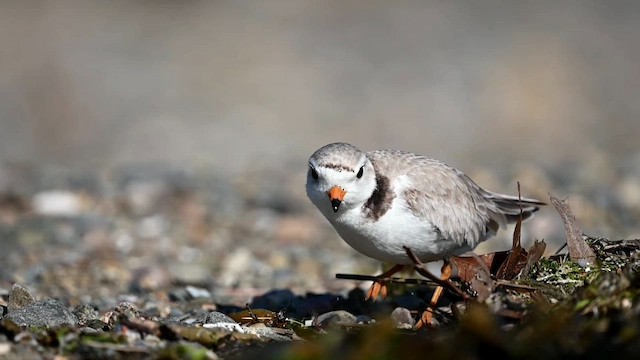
(197, 293)
(47, 312)
(85, 313)
(230, 326)
(337, 317)
(125, 309)
(19, 297)
(402, 318)
(364, 319)
(57, 203)
(143, 196)
(215, 317)
(266, 332)
(178, 295)
(152, 227)
(236, 265)
(5, 348)
(191, 273)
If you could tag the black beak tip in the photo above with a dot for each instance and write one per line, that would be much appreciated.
(335, 204)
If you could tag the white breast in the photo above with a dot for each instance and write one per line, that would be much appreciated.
(384, 238)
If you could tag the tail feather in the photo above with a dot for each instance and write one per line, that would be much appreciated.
(510, 206)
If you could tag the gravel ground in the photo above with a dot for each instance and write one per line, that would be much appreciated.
(188, 247)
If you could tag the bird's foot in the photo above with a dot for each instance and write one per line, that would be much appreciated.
(379, 287)
(426, 319)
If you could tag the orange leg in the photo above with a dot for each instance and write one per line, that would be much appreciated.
(380, 287)
(427, 315)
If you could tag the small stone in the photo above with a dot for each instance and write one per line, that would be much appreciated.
(364, 319)
(57, 203)
(197, 293)
(229, 326)
(87, 330)
(190, 273)
(19, 297)
(402, 318)
(178, 295)
(152, 227)
(85, 313)
(267, 333)
(338, 317)
(47, 312)
(127, 309)
(215, 317)
(236, 265)
(152, 341)
(97, 324)
(5, 348)
(124, 308)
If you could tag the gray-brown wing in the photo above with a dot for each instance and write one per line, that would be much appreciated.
(442, 195)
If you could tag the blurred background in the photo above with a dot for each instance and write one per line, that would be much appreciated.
(166, 141)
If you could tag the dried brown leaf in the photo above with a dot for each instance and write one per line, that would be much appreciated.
(482, 289)
(516, 287)
(513, 264)
(142, 325)
(579, 250)
(535, 254)
(483, 284)
(469, 266)
(518, 256)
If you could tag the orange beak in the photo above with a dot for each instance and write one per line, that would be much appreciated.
(336, 195)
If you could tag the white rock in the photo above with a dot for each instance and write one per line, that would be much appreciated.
(143, 197)
(5, 348)
(57, 203)
(152, 227)
(236, 265)
(227, 326)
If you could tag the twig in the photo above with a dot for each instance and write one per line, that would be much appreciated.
(482, 264)
(422, 270)
(253, 316)
(560, 249)
(387, 279)
(121, 348)
(142, 325)
(510, 285)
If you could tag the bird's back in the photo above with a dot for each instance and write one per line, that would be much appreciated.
(447, 198)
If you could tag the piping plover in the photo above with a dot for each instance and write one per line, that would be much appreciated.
(380, 201)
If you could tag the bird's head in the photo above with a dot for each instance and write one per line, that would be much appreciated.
(340, 178)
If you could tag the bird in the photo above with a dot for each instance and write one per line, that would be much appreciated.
(382, 201)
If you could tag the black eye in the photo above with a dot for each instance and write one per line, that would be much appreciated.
(359, 174)
(314, 173)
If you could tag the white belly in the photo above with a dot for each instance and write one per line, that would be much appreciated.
(384, 239)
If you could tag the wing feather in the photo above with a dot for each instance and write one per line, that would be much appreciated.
(442, 195)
